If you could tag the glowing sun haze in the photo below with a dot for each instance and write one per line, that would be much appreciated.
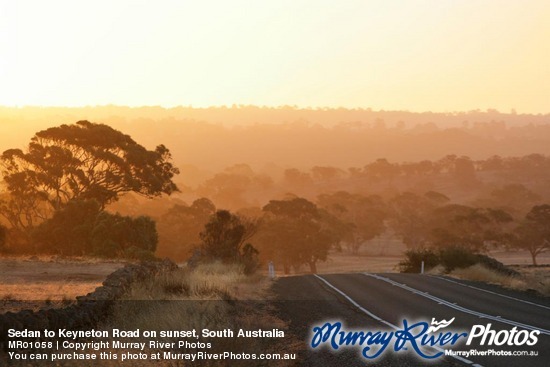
(413, 55)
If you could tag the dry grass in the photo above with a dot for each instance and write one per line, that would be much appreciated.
(480, 273)
(537, 279)
(214, 281)
(212, 296)
(436, 270)
(27, 282)
(54, 291)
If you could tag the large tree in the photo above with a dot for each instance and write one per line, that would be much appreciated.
(533, 233)
(81, 161)
(467, 227)
(411, 215)
(297, 232)
(362, 217)
(225, 236)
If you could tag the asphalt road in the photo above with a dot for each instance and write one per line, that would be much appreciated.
(381, 302)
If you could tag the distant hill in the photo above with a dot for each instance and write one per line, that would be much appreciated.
(217, 137)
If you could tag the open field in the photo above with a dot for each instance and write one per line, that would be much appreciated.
(47, 281)
(364, 262)
(26, 283)
(383, 254)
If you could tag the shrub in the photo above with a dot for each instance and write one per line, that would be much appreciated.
(82, 228)
(117, 235)
(450, 258)
(414, 258)
(223, 239)
(68, 232)
(456, 257)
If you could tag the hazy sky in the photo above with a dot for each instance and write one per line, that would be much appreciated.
(416, 55)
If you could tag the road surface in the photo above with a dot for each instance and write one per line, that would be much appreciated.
(380, 302)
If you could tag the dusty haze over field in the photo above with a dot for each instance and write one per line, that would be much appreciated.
(272, 139)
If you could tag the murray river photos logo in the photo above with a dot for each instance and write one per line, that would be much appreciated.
(427, 340)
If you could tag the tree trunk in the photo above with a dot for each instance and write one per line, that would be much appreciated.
(534, 257)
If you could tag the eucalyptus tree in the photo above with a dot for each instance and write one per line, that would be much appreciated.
(81, 161)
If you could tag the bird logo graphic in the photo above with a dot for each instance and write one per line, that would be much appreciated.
(439, 325)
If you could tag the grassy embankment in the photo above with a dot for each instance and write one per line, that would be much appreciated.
(212, 296)
(530, 278)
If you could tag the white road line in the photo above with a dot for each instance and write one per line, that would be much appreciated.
(485, 290)
(461, 359)
(456, 307)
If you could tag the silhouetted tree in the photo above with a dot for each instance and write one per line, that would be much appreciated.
(296, 232)
(225, 235)
(382, 170)
(364, 216)
(464, 171)
(514, 197)
(115, 235)
(80, 162)
(471, 228)
(410, 217)
(326, 173)
(533, 234)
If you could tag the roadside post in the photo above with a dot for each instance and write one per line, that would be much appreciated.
(271, 270)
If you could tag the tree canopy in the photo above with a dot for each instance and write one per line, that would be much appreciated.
(225, 238)
(362, 217)
(297, 232)
(81, 161)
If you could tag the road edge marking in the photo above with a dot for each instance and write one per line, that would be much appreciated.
(488, 291)
(456, 307)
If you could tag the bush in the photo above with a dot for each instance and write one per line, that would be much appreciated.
(414, 258)
(456, 257)
(115, 235)
(82, 228)
(450, 258)
(223, 239)
(68, 231)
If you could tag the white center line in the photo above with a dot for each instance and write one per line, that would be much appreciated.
(456, 307)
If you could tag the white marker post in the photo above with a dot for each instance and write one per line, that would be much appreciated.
(422, 268)
(271, 270)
